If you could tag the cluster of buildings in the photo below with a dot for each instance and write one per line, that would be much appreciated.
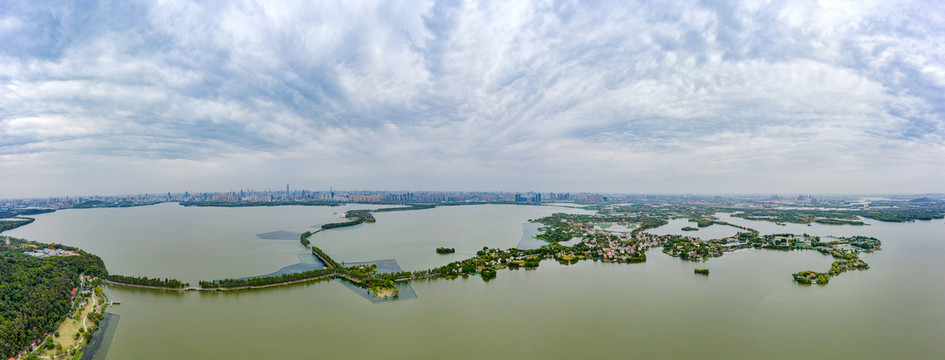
(251, 196)
(47, 252)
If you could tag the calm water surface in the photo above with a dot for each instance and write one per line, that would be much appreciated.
(748, 307)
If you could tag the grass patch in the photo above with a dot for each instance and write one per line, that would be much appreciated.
(68, 330)
(569, 257)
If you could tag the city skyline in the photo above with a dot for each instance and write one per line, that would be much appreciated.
(836, 97)
(300, 196)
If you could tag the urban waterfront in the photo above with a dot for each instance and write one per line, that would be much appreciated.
(748, 308)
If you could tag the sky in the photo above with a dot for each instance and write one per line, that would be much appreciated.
(118, 97)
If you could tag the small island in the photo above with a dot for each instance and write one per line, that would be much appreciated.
(690, 228)
(445, 250)
(702, 272)
(811, 277)
(381, 287)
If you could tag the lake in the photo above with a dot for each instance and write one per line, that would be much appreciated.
(748, 308)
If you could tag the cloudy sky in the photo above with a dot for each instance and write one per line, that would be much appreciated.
(630, 96)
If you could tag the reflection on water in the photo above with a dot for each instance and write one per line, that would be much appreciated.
(528, 241)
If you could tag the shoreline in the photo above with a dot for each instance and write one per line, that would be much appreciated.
(197, 288)
(97, 348)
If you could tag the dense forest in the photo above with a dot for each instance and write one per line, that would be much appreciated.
(144, 280)
(365, 216)
(35, 292)
(18, 215)
(343, 224)
(266, 280)
(21, 212)
(10, 225)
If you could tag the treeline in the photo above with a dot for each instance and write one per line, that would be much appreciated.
(144, 280)
(838, 222)
(800, 216)
(329, 262)
(304, 238)
(406, 208)
(707, 221)
(703, 221)
(648, 223)
(35, 292)
(903, 215)
(753, 231)
(897, 212)
(482, 262)
(557, 234)
(360, 214)
(21, 212)
(366, 216)
(266, 280)
(343, 224)
(363, 275)
(10, 225)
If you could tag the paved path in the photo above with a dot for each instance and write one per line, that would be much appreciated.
(87, 315)
(80, 343)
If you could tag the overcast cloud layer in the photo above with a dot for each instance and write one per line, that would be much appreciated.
(662, 96)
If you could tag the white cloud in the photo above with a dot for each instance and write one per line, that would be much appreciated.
(642, 96)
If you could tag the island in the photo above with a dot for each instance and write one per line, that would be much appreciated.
(811, 277)
(445, 250)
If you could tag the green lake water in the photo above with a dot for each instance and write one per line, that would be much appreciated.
(748, 308)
